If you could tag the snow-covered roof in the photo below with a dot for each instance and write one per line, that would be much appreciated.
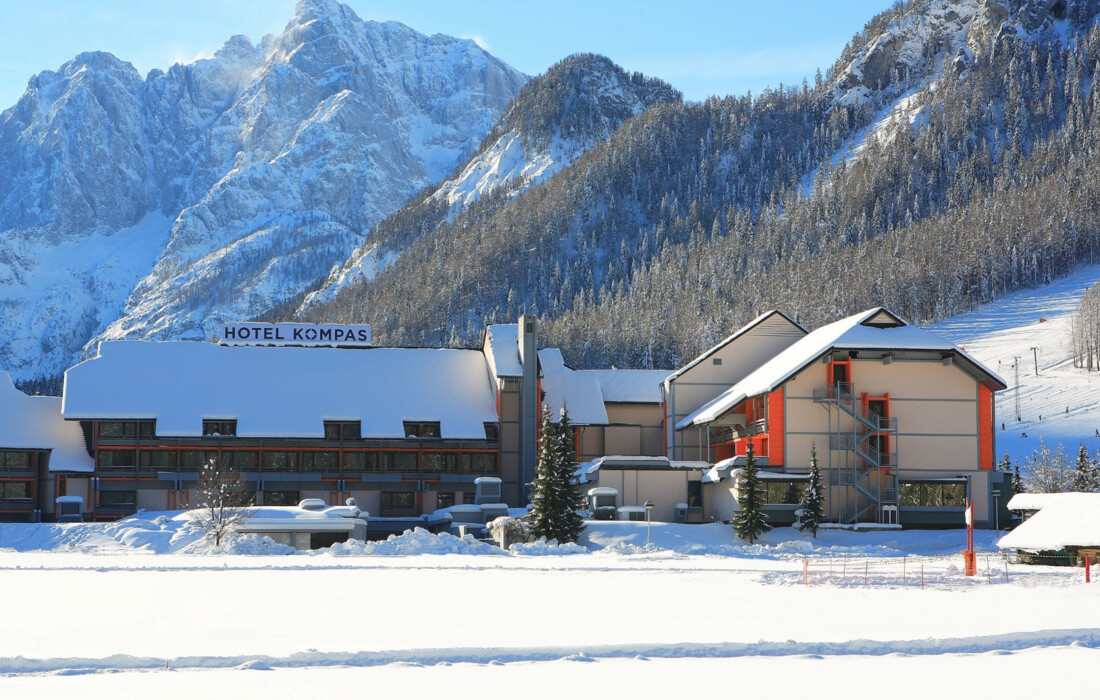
(1067, 520)
(630, 385)
(35, 423)
(722, 469)
(579, 392)
(1030, 501)
(736, 334)
(640, 462)
(502, 350)
(283, 391)
(861, 331)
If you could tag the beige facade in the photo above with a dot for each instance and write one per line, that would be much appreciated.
(717, 370)
(665, 487)
(633, 429)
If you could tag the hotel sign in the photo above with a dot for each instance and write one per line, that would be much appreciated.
(296, 334)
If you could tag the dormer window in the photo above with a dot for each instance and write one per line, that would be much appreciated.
(343, 430)
(219, 428)
(421, 429)
(492, 431)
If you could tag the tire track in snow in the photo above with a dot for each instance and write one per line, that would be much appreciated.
(1000, 643)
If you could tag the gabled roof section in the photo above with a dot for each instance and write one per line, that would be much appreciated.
(502, 350)
(629, 385)
(283, 391)
(883, 319)
(862, 331)
(578, 392)
(35, 423)
(744, 330)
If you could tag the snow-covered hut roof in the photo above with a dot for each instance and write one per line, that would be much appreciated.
(723, 469)
(283, 391)
(736, 334)
(1067, 520)
(579, 392)
(1030, 501)
(874, 329)
(502, 350)
(630, 385)
(35, 423)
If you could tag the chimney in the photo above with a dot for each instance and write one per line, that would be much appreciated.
(527, 337)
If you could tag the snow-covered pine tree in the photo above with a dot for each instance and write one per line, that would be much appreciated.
(1048, 471)
(555, 494)
(1017, 483)
(1006, 463)
(813, 511)
(749, 520)
(1084, 472)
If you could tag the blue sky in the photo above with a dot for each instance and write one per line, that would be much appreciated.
(702, 48)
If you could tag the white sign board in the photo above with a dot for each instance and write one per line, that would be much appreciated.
(296, 334)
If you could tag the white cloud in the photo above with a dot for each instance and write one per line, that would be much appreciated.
(477, 39)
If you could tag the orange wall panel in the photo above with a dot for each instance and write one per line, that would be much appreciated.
(985, 427)
(775, 427)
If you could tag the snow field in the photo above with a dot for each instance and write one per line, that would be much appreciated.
(101, 613)
(1039, 672)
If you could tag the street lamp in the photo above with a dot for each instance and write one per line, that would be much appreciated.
(648, 508)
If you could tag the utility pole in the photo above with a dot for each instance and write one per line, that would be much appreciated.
(1035, 356)
(1016, 365)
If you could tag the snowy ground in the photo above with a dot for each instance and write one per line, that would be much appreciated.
(999, 333)
(103, 609)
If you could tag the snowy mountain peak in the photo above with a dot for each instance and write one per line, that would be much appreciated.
(220, 188)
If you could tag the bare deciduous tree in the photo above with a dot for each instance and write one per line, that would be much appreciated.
(224, 500)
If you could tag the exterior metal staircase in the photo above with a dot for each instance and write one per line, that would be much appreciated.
(871, 472)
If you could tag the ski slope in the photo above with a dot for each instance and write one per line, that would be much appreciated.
(1029, 331)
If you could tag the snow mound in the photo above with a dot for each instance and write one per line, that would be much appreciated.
(413, 542)
(541, 548)
(249, 544)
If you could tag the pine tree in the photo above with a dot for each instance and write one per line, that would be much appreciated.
(1017, 483)
(749, 521)
(813, 511)
(1084, 472)
(556, 494)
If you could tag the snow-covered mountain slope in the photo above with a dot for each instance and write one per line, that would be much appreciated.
(1058, 402)
(269, 163)
(579, 102)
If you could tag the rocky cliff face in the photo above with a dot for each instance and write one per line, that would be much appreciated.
(579, 102)
(160, 206)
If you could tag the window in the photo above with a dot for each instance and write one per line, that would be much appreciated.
(695, 494)
(343, 430)
(932, 494)
(421, 429)
(127, 429)
(280, 462)
(116, 458)
(403, 462)
(193, 460)
(437, 462)
(444, 499)
(219, 428)
(398, 500)
(784, 492)
(492, 431)
(240, 460)
(326, 461)
(118, 499)
(478, 463)
(162, 459)
(360, 461)
(15, 460)
(282, 498)
(14, 489)
(717, 362)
